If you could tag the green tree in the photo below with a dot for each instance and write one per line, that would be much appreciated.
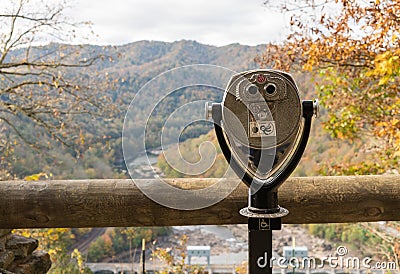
(101, 248)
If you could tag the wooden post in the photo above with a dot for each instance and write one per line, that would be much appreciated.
(104, 203)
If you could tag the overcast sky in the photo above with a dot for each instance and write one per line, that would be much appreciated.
(214, 22)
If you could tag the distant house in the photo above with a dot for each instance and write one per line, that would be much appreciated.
(199, 251)
(297, 251)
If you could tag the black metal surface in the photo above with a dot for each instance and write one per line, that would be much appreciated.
(264, 224)
(143, 261)
(260, 250)
(260, 244)
(264, 201)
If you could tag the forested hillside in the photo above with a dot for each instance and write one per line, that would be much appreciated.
(96, 152)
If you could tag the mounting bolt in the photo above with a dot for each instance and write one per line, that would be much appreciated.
(209, 110)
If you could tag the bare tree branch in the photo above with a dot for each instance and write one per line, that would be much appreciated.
(49, 88)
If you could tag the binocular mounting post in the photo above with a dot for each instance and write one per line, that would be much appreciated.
(263, 213)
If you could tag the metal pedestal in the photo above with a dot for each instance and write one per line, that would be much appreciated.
(260, 244)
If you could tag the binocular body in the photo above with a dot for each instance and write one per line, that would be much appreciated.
(262, 126)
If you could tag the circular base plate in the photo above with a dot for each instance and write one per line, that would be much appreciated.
(249, 214)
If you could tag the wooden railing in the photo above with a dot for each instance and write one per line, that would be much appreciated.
(113, 203)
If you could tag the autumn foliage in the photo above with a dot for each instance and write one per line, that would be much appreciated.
(352, 50)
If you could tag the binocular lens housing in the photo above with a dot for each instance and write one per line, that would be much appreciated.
(262, 119)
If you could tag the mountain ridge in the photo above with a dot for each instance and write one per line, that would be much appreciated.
(129, 66)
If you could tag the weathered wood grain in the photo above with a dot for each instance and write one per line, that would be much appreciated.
(112, 203)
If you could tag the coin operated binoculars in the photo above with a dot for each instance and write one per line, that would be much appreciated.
(262, 127)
